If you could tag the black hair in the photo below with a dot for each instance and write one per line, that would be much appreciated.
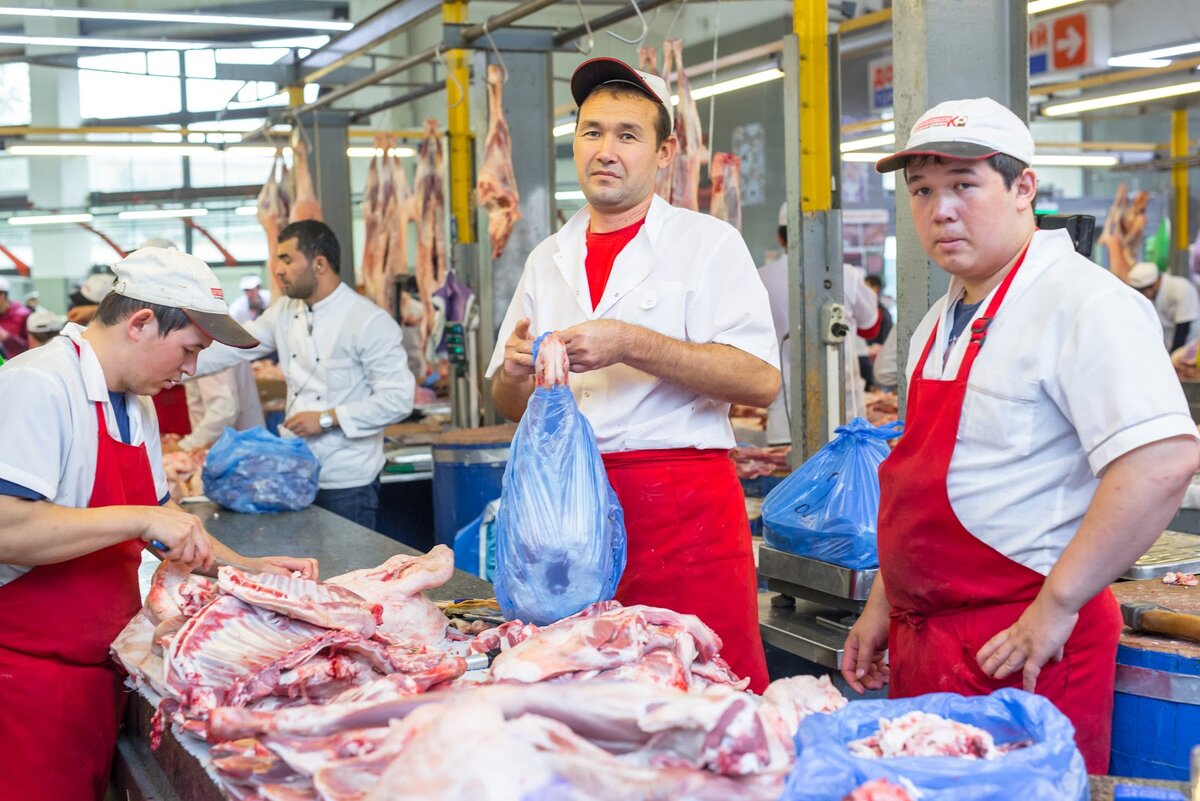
(1010, 168)
(314, 238)
(782, 232)
(115, 308)
(662, 123)
(874, 281)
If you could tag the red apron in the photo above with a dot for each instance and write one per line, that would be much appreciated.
(60, 694)
(689, 546)
(950, 592)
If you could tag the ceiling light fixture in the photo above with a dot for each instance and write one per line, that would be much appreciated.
(569, 194)
(566, 129)
(50, 219)
(246, 211)
(1074, 161)
(1154, 58)
(864, 156)
(115, 149)
(1123, 99)
(733, 84)
(160, 214)
(107, 44)
(194, 19)
(868, 143)
(1040, 6)
(368, 152)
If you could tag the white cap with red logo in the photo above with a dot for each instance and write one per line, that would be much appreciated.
(597, 71)
(169, 277)
(972, 129)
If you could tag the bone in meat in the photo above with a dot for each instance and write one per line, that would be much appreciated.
(430, 198)
(691, 153)
(552, 368)
(497, 185)
(305, 205)
(726, 201)
(319, 603)
(397, 585)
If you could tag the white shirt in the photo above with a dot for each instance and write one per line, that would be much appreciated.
(48, 401)
(228, 399)
(239, 307)
(862, 311)
(685, 275)
(1177, 302)
(344, 353)
(1071, 377)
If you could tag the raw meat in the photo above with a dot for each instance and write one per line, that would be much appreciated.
(879, 790)
(691, 153)
(552, 368)
(396, 215)
(797, 697)
(372, 212)
(648, 62)
(274, 201)
(726, 202)
(429, 200)
(397, 586)
(497, 186)
(1125, 230)
(756, 462)
(1181, 579)
(305, 205)
(921, 734)
(183, 470)
(882, 407)
(322, 604)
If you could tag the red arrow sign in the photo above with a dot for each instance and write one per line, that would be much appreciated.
(1070, 36)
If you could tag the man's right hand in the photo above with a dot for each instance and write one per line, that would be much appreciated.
(182, 533)
(863, 665)
(518, 352)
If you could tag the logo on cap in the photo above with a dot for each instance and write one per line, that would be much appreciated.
(218, 293)
(948, 121)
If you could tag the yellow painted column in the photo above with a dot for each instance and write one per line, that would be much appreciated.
(462, 171)
(1179, 178)
(295, 96)
(811, 21)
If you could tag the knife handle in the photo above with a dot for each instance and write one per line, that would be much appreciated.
(1161, 621)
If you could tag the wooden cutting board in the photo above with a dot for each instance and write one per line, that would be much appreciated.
(1153, 591)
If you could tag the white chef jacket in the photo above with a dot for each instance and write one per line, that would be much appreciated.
(226, 399)
(1072, 376)
(685, 275)
(344, 353)
(1177, 302)
(862, 311)
(239, 307)
(48, 436)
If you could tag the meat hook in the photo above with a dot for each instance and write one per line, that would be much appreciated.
(587, 26)
(462, 92)
(495, 50)
(645, 28)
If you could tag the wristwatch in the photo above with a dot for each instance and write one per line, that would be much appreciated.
(325, 421)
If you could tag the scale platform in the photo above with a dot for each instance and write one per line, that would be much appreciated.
(1173, 551)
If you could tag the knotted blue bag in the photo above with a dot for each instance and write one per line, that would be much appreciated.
(828, 509)
(1049, 769)
(256, 472)
(560, 531)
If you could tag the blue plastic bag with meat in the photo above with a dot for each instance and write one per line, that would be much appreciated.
(1048, 766)
(560, 531)
(828, 509)
(256, 472)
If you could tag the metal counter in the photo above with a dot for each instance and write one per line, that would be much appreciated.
(171, 773)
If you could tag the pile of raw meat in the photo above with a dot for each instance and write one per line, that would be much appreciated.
(183, 469)
(1181, 579)
(357, 688)
(882, 407)
(921, 734)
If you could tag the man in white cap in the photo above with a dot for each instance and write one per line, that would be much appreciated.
(32, 299)
(13, 316)
(1175, 299)
(84, 302)
(1047, 444)
(666, 323)
(82, 493)
(252, 302)
(862, 318)
(43, 326)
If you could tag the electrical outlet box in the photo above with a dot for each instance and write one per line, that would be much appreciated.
(832, 324)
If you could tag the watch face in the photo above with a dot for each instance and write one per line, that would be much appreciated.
(325, 420)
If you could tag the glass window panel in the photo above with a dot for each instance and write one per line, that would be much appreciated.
(230, 169)
(127, 172)
(115, 62)
(14, 94)
(250, 55)
(210, 95)
(200, 64)
(103, 95)
(241, 236)
(162, 62)
(14, 175)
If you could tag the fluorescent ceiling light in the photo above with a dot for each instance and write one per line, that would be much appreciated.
(92, 41)
(116, 149)
(1074, 161)
(1123, 99)
(195, 19)
(1154, 58)
(864, 156)
(1038, 6)
(733, 84)
(298, 42)
(50, 219)
(368, 152)
(566, 129)
(246, 211)
(572, 194)
(868, 143)
(158, 214)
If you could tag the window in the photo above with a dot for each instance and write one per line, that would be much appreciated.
(14, 94)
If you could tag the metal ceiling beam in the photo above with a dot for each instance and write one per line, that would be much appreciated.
(361, 115)
(173, 195)
(376, 29)
(607, 20)
(185, 118)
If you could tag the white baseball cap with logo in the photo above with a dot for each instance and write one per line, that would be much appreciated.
(972, 129)
(169, 277)
(597, 71)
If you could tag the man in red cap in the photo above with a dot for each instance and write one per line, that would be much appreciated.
(1047, 444)
(666, 324)
(82, 493)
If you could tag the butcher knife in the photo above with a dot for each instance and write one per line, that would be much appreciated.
(1154, 619)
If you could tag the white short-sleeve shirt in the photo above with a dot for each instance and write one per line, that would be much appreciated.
(48, 436)
(1177, 302)
(685, 275)
(1072, 376)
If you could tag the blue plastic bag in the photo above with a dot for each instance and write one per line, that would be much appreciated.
(475, 544)
(1051, 769)
(255, 471)
(560, 533)
(828, 509)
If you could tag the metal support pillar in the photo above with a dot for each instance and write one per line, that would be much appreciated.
(814, 255)
(1179, 188)
(462, 168)
(938, 56)
(328, 138)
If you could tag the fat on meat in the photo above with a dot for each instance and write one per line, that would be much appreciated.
(321, 603)
(726, 201)
(919, 734)
(496, 188)
(690, 154)
(429, 200)
(552, 368)
(398, 586)
(796, 697)
(305, 205)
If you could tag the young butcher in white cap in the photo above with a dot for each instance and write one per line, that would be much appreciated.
(1047, 444)
(666, 323)
(82, 492)
(1175, 299)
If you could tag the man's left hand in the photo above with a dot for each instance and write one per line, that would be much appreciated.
(1037, 637)
(284, 565)
(304, 424)
(596, 344)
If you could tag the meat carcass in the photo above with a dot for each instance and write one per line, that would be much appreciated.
(274, 200)
(648, 62)
(305, 205)
(372, 213)
(397, 586)
(690, 154)
(726, 203)
(396, 214)
(320, 603)
(496, 189)
(429, 198)
(1181, 579)
(925, 734)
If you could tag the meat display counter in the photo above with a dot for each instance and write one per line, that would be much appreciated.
(173, 773)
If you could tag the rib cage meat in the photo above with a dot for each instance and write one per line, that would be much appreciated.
(497, 186)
